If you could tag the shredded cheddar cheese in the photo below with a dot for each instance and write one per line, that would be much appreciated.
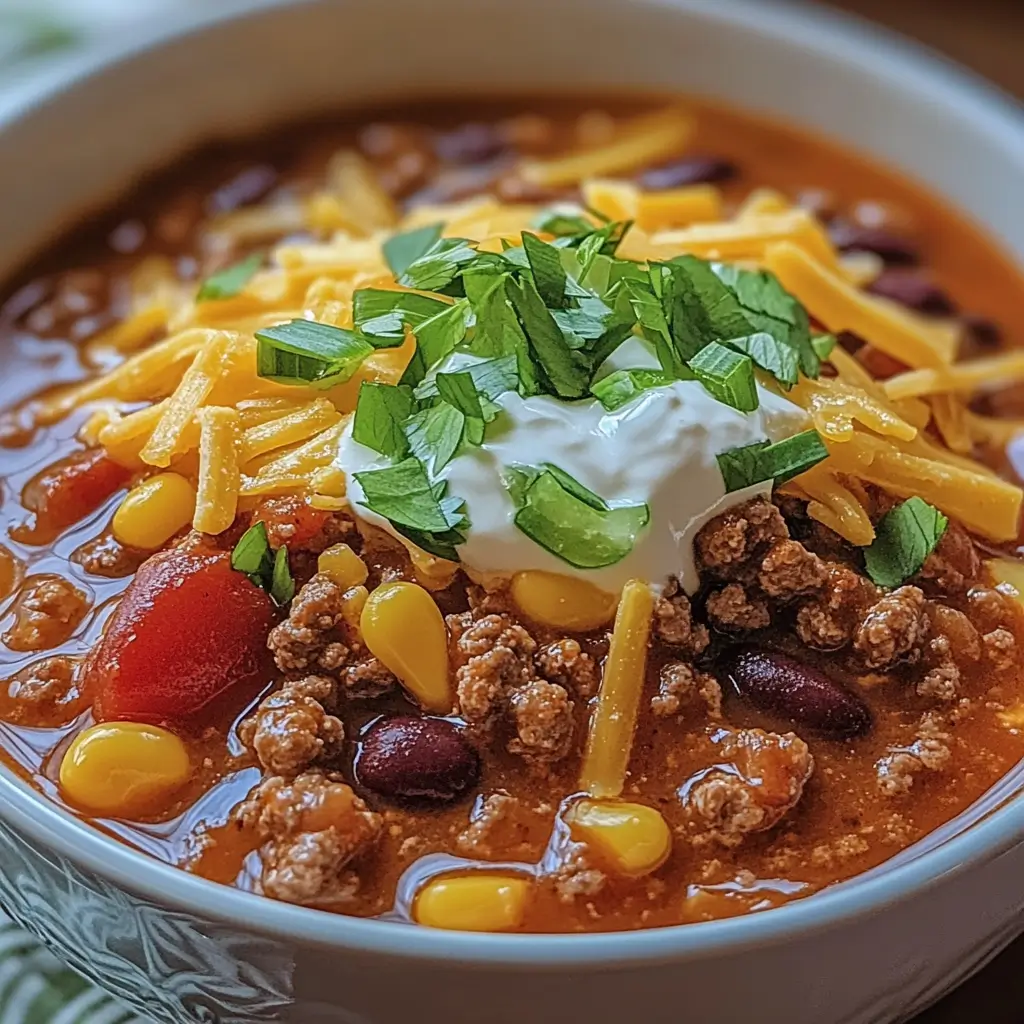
(182, 392)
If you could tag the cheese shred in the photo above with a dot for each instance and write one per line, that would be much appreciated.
(183, 392)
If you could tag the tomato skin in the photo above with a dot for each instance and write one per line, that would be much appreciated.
(188, 628)
(293, 521)
(66, 492)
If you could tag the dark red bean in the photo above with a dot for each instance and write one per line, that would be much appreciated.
(244, 189)
(892, 248)
(469, 143)
(414, 758)
(693, 170)
(913, 290)
(982, 332)
(801, 693)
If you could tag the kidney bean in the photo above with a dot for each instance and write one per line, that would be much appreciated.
(407, 757)
(891, 247)
(806, 696)
(693, 170)
(981, 331)
(244, 189)
(913, 290)
(470, 143)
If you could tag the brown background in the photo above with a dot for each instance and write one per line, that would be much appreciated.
(987, 35)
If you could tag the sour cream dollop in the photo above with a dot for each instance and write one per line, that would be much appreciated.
(659, 449)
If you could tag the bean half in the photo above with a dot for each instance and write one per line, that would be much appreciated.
(801, 693)
(412, 758)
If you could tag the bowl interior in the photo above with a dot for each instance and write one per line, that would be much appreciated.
(142, 103)
(77, 138)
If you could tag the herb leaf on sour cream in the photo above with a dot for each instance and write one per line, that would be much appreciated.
(569, 520)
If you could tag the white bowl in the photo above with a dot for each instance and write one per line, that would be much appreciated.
(183, 949)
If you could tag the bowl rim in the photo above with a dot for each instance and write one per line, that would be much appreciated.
(842, 37)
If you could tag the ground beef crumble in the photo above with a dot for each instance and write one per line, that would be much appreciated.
(291, 730)
(312, 827)
(682, 687)
(500, 827)
(566, 663)
(930, 751)
(735, 608)
(317, 638)
(728, 545)
(758, 778)
(674, 623)
(497, 681)
(893, 629)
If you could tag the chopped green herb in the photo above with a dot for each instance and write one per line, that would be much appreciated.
(252, 553)
(439, 265)
(548, 273)
(602, 242)
(727, 375)
(767, 306)
(566, 370)
(622, 386)
(823, 345)
(307, 352)
(759, 462)
(227, 283)
(563, 223)
(771, 355)
(253, 556)
(498, 331)
(905, 536)
(402, 250)
(570, 521)
(650, 314)
(434, 435)
(459, 390)
(386, 314)
(435, 338)
(282, 586)
(491, 378)
(419, 510)
(381, 412)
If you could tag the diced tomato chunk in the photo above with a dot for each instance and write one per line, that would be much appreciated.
(188, 628)
(293, 521)
(69, 490)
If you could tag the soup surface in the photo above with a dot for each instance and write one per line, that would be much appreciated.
(665, 571)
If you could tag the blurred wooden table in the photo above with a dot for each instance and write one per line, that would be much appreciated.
(987, 35)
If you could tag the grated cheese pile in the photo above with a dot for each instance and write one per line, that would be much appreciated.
(183, 392)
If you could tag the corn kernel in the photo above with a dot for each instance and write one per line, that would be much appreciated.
(479, 902)
(154, 511)
(562, 602)
(352, 604)
(343, 565)
(403, 627)
(635, 840)
(1009, 574)
(123, 769)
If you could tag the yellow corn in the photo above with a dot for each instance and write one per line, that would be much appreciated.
(352, 604)
(124, 769)
(403, 627)
(633, 839)
(343, 565)
(1009, 574)
(610, 740)
(562, 602)
(154, 511)
(478, 902)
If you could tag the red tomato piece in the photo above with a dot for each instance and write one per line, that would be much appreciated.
(294, 522)
(69, 490)
(188, 628)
